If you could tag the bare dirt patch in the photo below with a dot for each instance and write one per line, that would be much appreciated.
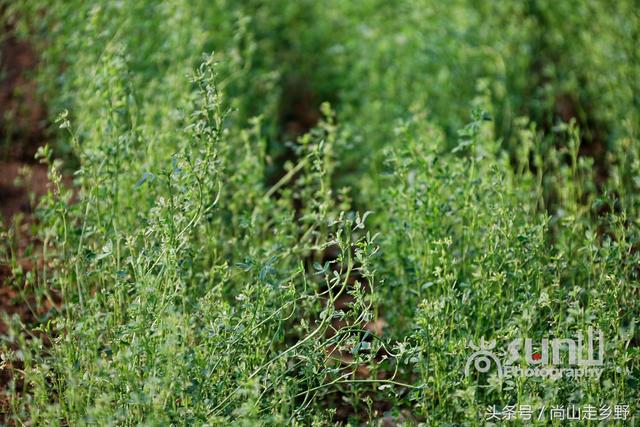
(22, 179)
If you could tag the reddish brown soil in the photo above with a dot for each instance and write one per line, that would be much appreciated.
(22, 115)
(15, 198)
(22, 179)
(22, 120)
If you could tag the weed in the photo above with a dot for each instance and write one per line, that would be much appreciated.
(208, 265)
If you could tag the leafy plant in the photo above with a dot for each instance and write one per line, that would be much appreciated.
(310, 224)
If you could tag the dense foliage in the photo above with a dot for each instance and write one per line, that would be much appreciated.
(301, 212)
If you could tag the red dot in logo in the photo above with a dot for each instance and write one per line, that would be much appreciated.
(536, 356)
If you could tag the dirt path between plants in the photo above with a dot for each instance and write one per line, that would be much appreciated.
(22, 179)
(22, 131)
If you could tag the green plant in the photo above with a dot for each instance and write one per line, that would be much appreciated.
(212, 264)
